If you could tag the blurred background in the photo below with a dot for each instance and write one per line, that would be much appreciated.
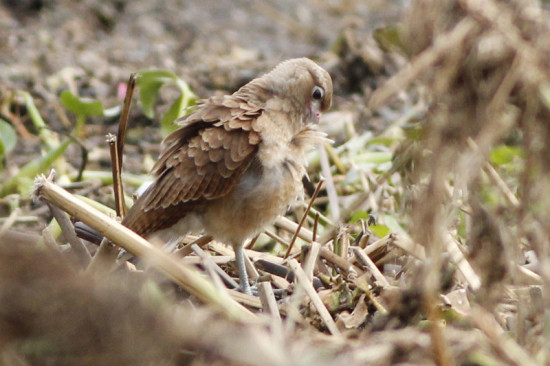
(434, 217)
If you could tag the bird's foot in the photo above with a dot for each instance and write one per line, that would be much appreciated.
(246, 289)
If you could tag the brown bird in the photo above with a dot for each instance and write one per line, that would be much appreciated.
(238, 160)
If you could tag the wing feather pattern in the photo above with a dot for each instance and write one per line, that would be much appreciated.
(201, 161)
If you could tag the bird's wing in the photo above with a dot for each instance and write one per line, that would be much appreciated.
(201, 161)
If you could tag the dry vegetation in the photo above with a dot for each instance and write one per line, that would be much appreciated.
(428, 243)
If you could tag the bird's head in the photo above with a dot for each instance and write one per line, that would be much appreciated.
(297, 86)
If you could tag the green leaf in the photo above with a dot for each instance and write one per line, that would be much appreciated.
(48, 138)
(148, 92)
(502, 155)
(8, 137)
(380, 230)
(389, 37)
(374, 157)
(81, 106)
(358, 215)
(33, 168)
(146, 76)
(149, 83)
(172, 114)
(386, 141)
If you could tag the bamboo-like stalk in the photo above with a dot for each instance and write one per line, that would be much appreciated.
(188, 279)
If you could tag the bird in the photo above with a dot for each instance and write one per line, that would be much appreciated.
(237, 161)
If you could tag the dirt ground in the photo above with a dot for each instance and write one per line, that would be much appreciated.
(430, 235)
(213, 45)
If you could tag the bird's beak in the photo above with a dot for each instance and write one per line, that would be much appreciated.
(314, 112)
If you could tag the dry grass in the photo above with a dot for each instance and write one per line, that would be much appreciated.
(460, 279)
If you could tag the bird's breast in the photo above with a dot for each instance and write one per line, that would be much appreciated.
(262, 194)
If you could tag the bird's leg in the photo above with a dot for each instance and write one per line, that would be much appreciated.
(243, 275)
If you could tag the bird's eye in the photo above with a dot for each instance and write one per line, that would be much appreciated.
(318, 93)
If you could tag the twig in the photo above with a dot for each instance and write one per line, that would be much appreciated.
(9, 222)
(335, 158)
(423, 62)
(463, 265)
(187, 249)
(504, 344)
(349, 269)
(404, 242)
(495, 177)
(315, 194)
(214, 269)
(315, 299)
(439, 343)
(116, 145)
(49, 240)
(331, 189)
(276, 237)
(218, 259)
(309, 263)
(68, 230)
(118, 189)
(292, 227)
(269, 304)
(365, 259)
(124, 116)
(315, 226)
(357, 202)
(250, 269)
(188, 279)
(382, 242)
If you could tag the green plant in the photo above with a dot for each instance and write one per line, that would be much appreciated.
(150, 82)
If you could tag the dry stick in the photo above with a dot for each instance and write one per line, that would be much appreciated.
(105, 257)
(358, 202)
(532, 60)
(316, 212)
(68, 230)
(9, 222)
(404, 242)
(123, 122)
(188, 279)
(224, 250)
(250, 269)
(440, 344)
(349, 269)
(315, 226)
(365, 259)
(107, 252)
(313, 197)
(276, 237)
(423, 62)
(49, 240)
(530, 276)
(218, 259)
(309, 263)
(462, 263)
(495, 178)
(315, 299)
(120, 206)
(382, 242)
(269, 303)
(216, 271)
(331, 189)
(187, 249)
(504, 344)
(292, 227)
(250, 245)
(335, 158)
(117, 154)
